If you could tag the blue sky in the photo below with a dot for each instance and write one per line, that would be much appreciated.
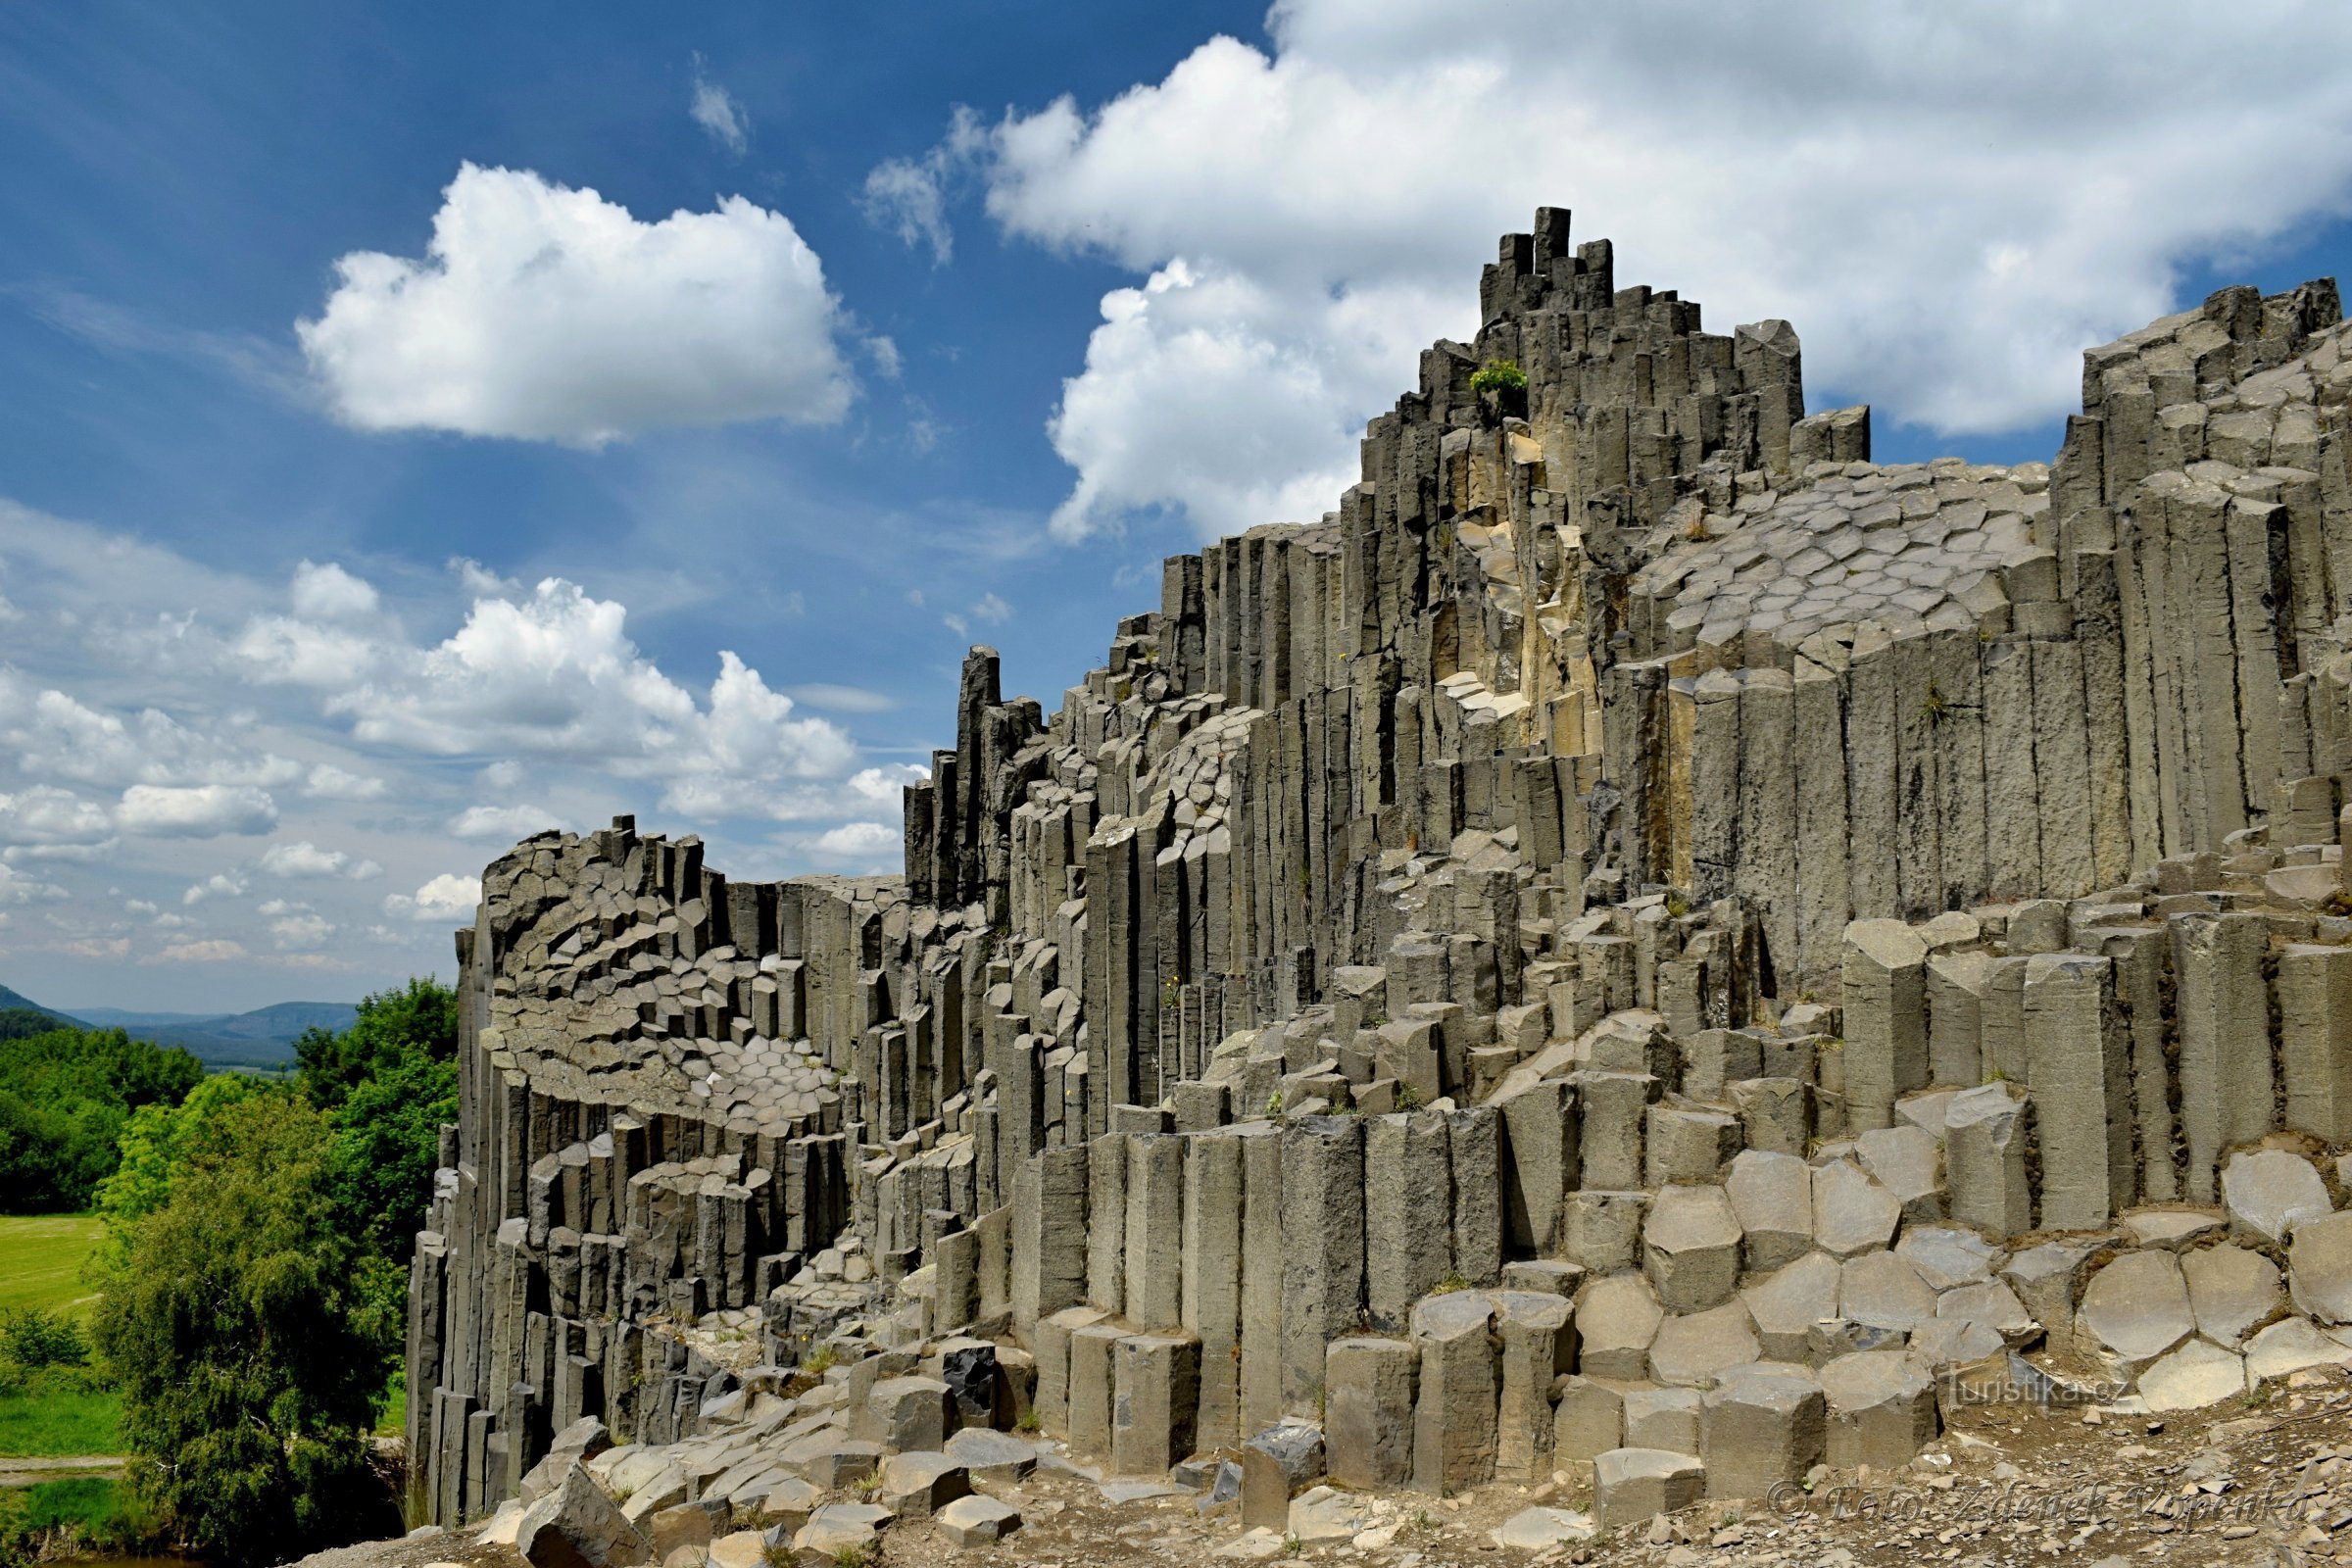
(333, 561)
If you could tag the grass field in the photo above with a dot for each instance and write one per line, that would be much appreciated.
(52, 1419)
(41, 1265)
(41, 1262)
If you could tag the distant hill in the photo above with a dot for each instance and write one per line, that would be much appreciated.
(261, 1038)
(21, 1016)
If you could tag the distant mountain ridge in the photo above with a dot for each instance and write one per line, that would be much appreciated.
(261, 1038)
(21, 1016)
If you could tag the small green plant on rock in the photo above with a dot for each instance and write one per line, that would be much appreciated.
(820, 1361)
(1450, 1282)
(1407, 1098)
(1292, 1545)
(1498, 376)
(857, 1554)
(1028, 1422)
(1274, 1104)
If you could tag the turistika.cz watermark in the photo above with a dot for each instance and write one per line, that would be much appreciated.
(2013, 1502)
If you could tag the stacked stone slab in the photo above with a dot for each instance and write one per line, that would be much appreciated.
(1640, 936)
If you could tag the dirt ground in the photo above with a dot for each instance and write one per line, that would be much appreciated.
(2006, 1485)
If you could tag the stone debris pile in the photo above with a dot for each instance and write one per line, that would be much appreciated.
(1644, 952)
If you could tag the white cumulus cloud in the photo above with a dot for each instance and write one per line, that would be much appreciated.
(329, 593)
(1949, 202)
(45, 818)
(447, 897)
(19, 887)
(220, 885)
(548, 314)
(507, 823)
(328, 782)
(303, 859)
(858, 839)
(198, 812)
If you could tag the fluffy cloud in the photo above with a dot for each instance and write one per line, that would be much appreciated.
(46, 818)
(329, 593)
(52, 734)
(858, 839)
(556, 675)
(303, 859)
(220, 885)
(200, 812)
(547, 313)
(505, 823)
(300, 930)
(18, 887)
(716, 110)
(150, 708)
(1950, 202)
(328, 782)
(446, 898)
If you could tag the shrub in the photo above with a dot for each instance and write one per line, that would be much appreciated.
(1498, 376)
(33, 1339)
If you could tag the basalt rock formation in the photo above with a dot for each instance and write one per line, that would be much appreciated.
(1642, 945)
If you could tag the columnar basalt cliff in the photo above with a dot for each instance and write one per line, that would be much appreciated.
(1636, 946)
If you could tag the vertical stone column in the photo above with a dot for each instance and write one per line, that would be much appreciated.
(1155, 1229)
(1106, 1222)
(2315, 1040)
(2141, 986)
(1322, 1244)
(1766, 872)
(1093, 1383)
(1886, 1019)
(2012, 815)
(1540, 1162)
(1817, 736)
(1871, 753)
(1156, 1384)
(1406, 1184)
(2222, 1012)
(2082, 1090)
(1474, 1154)
(1049, 1236)
(1262, 1269)
(1369, 1389)
(1984, 1160)
(1539, 1343)
(1955, 992)
(1054, 1333)
(1453, 1414)
(1216, 1196)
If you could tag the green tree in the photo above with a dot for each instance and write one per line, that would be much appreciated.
(386, 1085)
(65, 1096)
(230, 1321)
(154, 1144)
(420, 1019)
